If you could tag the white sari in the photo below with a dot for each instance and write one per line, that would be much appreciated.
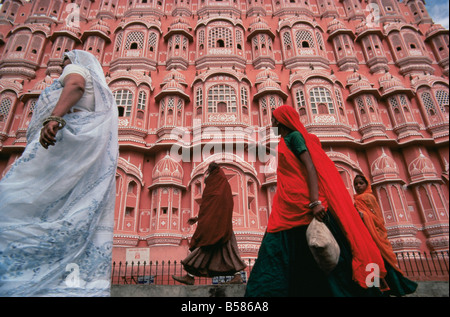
(57, 205)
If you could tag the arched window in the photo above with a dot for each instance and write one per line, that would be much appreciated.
(219, 37)
(320, 95)
(124, 101)
(135, 40)
(221, 98)
(304, 39)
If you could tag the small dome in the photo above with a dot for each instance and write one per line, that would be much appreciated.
(42, 84)
(258, 24)
(388, 81)
(269, 83)
(384, 165)
(421, 165)
(358, 82)
(433, 29)
(173, 85)
(167, 168)
(174, 75)
(335, 25)
(101, 26)
(180, 23)
(267, 73)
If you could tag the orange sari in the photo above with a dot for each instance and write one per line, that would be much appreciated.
(367, 204)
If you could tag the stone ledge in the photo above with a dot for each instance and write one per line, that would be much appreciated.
(425, 289)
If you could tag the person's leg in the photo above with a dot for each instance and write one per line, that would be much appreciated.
(187, 279)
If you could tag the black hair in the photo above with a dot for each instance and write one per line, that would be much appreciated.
(281, 126)
(362, 177)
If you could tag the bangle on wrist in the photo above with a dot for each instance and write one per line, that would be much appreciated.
(314, 204)
(60, 121)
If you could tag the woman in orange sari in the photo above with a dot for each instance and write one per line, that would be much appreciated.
(370, 211)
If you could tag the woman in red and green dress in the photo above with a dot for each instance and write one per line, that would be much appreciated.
(309, 185)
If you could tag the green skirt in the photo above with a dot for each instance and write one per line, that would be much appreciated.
(398, 284)
(285, 267)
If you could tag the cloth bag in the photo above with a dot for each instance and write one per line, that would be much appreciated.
(323, 245)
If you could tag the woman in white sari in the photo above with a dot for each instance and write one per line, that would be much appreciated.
(57, 199)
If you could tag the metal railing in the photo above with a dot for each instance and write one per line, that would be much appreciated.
(160, 273)
(418, 266)
(424, 266)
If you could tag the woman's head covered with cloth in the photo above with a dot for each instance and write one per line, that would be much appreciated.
(364, 250)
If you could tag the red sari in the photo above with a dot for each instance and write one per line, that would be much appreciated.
(331, 187)
(216, 211)
(214, 248)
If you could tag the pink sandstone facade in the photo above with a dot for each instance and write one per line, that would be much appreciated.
(196, 81)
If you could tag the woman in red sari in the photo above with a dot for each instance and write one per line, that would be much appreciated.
(367, 205)
(309, 185)
(214, 250)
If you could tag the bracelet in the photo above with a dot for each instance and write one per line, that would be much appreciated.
(314, 204)
(61, 121)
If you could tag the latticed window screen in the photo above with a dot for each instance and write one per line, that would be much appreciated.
(403, 101)
(320, 40)
(428, 103)
(287, 39)
(220, 37)
(263, 103)
(221, 94)
(394, 103)
(300, 98)
(369, 102)
(170, 103)
(33, 105)
(244, 96)
(124, 101)
(272, 103)
(442, 99)
(255, 42)
(199, 97)
(304, 39)
(118, 42)
(152, 41)
(239, 37)
(320, 95)
(339, 98)
(262, 39)
(177, 41)
(5, 106)
(361, 106)
(142, 100)
(136, 38)
(201, 38)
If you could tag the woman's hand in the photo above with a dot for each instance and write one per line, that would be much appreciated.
(319, 212)
(48, 134)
